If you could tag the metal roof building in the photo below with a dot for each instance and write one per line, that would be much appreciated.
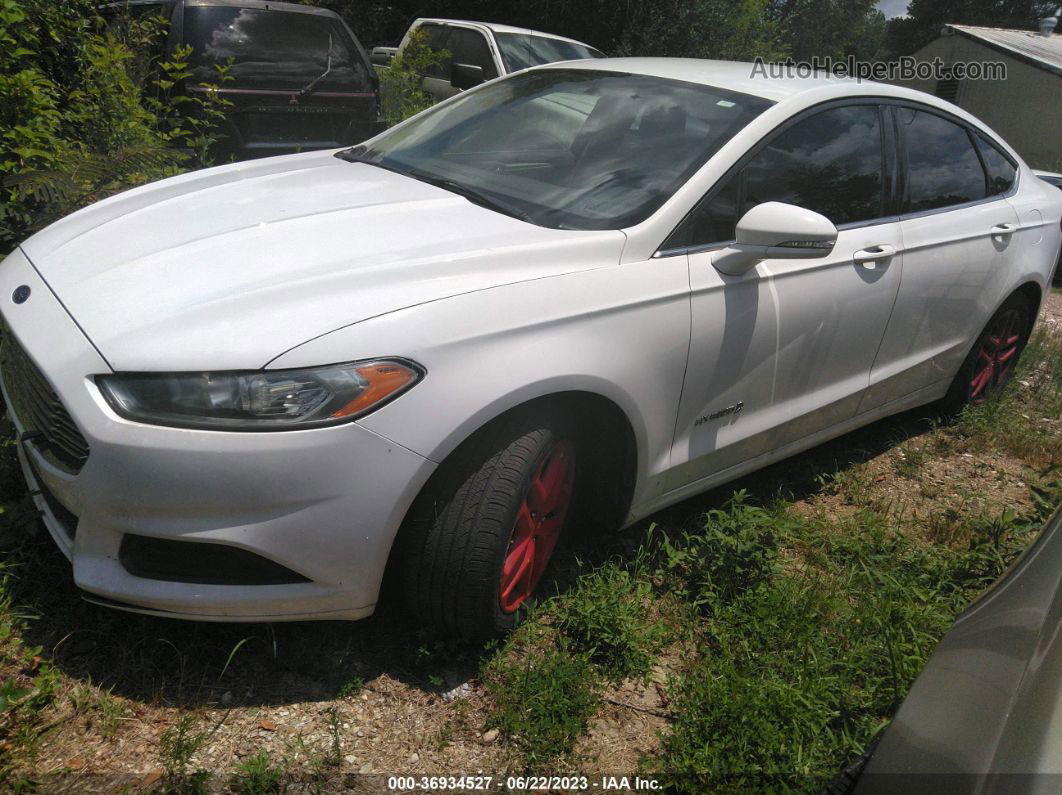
(1025, 107)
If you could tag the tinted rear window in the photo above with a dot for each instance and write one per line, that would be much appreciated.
(943, 167)
(273, 49)
(1001, 171)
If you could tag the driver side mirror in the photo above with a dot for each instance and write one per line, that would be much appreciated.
(464, 76)
(774, 230)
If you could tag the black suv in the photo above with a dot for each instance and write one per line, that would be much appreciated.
(301, 79)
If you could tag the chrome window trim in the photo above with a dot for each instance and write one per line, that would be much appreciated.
(900, 168)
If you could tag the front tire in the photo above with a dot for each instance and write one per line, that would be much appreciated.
(480, 538)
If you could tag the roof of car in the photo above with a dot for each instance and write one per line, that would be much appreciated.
(746, 78)
(264, 4)
(277, 6)
(774, 82)
(497, 27)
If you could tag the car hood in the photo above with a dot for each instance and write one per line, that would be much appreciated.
(229, 267)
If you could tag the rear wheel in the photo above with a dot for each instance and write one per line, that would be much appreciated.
(991, 362)
(480, 539)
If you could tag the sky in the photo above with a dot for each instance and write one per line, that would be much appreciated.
(892, 8)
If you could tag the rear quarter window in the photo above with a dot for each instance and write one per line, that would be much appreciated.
(271, 49)
(1001, 171)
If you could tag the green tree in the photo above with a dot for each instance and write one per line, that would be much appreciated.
(833, 28)
(401, 91)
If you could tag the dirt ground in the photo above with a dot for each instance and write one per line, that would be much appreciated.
(421, 709)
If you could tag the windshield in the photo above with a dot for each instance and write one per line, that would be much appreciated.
(521, 50)
(568, 148)
(273, 49)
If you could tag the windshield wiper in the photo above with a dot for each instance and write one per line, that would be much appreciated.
(328, 69)
(473, 195)
(357, 155)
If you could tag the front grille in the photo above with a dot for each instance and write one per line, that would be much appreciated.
(66, 519)
(44, 419)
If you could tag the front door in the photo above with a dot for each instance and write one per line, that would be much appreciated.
(785, 351)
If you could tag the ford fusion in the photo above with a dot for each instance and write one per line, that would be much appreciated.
(571, 296)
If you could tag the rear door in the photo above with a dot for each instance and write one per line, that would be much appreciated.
(299, 80)
(784, 351)
(959, 236)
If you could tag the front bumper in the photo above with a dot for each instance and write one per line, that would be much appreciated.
(324, 503)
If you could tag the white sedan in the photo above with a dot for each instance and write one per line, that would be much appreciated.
(577, 294)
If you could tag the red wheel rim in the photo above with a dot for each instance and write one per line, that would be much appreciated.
(538, 525)
(998, 355)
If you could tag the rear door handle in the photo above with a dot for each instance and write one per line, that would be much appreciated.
(869, 257)
(1001, 230)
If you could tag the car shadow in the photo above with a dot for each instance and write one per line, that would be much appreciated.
(196, 664)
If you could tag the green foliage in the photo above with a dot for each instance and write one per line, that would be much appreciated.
(832, 28)
(735, 552)
(79, 117)
(258, 775)
(607, 618)
(400, 82)
(177, 745)
(801, 672)
(742, 30)
(1005, 419)
(542, 702)
(351, 687)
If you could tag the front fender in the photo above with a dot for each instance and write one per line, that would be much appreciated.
(621, 332)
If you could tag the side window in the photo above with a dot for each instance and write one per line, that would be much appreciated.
(1001, 171)
(470, 47)
(831, 162)
(438, 39)
(943, 168)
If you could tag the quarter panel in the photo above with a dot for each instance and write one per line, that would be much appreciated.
(955, 274)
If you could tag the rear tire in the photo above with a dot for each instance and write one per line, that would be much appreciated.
(994, 356)
(479, 539)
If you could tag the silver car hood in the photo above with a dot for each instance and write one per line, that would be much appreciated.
(237, 264)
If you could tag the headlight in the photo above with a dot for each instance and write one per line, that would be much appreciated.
(258, 401)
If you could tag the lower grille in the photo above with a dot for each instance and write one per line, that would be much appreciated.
(43, 417)
(197, 562)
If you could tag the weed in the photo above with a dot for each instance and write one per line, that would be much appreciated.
(909, 461)
(606, 618)
(735, 552)
(351, 687)
(177, 745)
(798, 673)
(101, 708)
(258, 775)
(542, 702)
(1022, 419)
(111, 711)
(335, 755)
(853, 484)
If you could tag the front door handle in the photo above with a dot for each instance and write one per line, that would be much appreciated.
(871, 256)
(1001, 230)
